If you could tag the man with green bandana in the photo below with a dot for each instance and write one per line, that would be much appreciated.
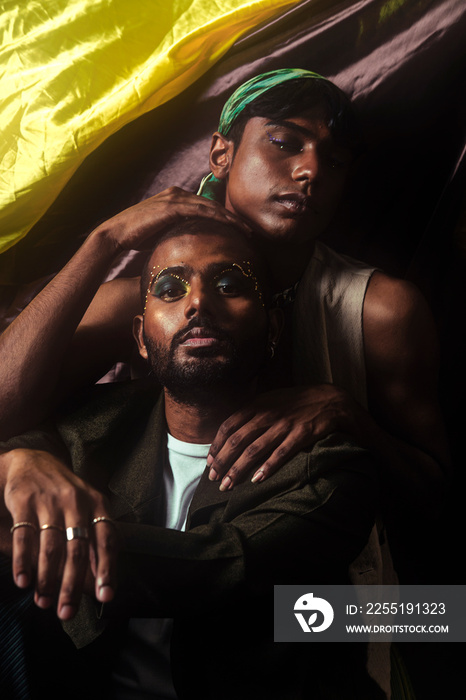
(192, 615)
(359, 353)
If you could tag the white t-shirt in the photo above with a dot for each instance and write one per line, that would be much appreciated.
(144, 664)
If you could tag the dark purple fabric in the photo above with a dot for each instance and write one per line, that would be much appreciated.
(404, 65)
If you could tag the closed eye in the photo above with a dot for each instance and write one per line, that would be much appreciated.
(290, 143)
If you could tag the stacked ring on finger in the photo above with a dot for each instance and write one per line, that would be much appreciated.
(77, 533)
(23, 523)
(46, 526)
(103, 519)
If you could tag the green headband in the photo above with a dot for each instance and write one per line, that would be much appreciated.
(211, 187)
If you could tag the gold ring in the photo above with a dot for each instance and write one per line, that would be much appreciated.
(23, 523)
(46, 526)
(77, 533)
(102, 519)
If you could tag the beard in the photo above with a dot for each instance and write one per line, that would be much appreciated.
(202, 374)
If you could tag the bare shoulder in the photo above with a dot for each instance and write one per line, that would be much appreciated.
(401, 351)
(390, 300)
(397, 320)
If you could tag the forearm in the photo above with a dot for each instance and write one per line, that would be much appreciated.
(33, 347)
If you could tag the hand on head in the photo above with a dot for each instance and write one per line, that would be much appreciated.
(138, 227)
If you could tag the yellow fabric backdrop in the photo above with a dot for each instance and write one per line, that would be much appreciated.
(75, 71)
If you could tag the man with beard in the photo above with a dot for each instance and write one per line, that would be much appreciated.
(190, 553)
(362, 347)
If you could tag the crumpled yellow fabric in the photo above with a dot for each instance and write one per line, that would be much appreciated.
(75, 71)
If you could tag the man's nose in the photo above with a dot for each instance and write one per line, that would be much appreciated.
(198, 301)
(308, 166)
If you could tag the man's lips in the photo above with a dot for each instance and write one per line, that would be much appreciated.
(296, 203)
(199, 337)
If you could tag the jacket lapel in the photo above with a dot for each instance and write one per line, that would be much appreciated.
(206, 499)
(137, 484)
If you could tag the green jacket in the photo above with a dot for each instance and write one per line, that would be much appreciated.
(303, 525)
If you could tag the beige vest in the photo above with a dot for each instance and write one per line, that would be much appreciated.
(327, 323)
(329, 347)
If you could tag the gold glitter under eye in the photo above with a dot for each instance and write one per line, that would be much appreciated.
(154, 277)
(170, 287)
(246, 270)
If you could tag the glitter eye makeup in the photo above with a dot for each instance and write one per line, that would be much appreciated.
(169, 287)
(233, 281)
(237, 280)
(288, 144)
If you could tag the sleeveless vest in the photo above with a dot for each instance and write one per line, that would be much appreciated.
(327, 323)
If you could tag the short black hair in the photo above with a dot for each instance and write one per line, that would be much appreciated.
(298, 95)
(203, 224)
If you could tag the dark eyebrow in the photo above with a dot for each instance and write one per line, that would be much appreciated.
(292, 126)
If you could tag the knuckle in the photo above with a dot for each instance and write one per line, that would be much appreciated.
(251, 451)
(281, 453)
(68, 592)
(235, 440)
(98, 500)
(49, 552)
(301, 432)
(219, 463)
(233, 472)
(18, 563)
(106, 543)
(68, 494)
(269, 417)
(22, 536)
(16, 498)
(224, 429)
(77, 552)
(42, 584)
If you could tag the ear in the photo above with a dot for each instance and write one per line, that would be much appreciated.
(221, 156)
(276, 324)
(138, 328)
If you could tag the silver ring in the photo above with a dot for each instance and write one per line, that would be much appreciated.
(77, 533)
(102, 519)
(23, 523)
(46, 526)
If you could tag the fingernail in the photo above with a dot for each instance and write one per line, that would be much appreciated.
(105, 593)
(210, 459)
(22, 580)
(44, 601)
(66, 612)
(226, 484)
(213, 475)
(258, 477)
